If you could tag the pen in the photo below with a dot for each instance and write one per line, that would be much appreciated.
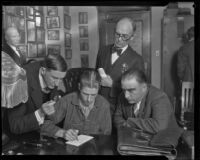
(33, 144)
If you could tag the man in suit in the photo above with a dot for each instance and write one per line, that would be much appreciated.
(43, 78)
(116, 59)
(142, 106)
(185, 63)
(10, 46)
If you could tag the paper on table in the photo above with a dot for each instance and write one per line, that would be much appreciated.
(81, 139)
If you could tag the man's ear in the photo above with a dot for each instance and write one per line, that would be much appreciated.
(144, 87)
(132, 37)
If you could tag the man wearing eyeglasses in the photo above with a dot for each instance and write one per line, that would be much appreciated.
(113, 60)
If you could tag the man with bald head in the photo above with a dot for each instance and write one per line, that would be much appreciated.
(117, 58)
(12, 40)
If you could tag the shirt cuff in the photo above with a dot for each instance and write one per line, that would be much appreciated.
(39, 118)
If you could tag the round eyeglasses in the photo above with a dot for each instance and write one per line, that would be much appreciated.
(125, 37)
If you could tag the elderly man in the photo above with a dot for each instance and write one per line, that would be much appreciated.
(143, 106)
(10, 46)
(113, 60)
(43, 78)
(84, 112)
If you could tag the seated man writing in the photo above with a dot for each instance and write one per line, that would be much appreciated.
(84, 111)
(142, 106)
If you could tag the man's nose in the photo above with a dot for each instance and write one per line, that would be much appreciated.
(89, 98)
(126, 94)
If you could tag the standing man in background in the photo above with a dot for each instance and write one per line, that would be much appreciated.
(12, 40)
(186, 58)
(113, 60)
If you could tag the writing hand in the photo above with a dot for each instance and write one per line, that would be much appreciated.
(71, 135)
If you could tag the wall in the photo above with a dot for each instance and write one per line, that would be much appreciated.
(93, 35)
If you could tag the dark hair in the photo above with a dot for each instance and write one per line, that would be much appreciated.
(190, 32)
(138, 74)
(89, 78)
(55, 62)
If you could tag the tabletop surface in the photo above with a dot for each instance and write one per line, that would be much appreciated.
(99, 145)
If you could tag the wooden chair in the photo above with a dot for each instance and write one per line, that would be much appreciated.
(72, 79)
(187, 115)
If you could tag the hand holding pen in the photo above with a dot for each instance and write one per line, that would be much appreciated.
(71, 134)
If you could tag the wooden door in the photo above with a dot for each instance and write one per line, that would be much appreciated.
(108, 17)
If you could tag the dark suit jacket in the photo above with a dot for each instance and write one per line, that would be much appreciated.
(22, 118)
(186, 62)
(129, 59)
(19, 60)
(155, 113)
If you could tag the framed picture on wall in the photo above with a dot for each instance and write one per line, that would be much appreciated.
(67, 21)
(19, 11)
(67, 40)
(68, 53)
(31, 31)
(32, 50)
(41, 52)
(10, 9)
(83, 17)
(83, 31)
(52, 11)
(84, 44)
(39, 21)
(53, 34)
(54, 49)
(53, 22)
(84, 61)
(29, 12)
(40, 34)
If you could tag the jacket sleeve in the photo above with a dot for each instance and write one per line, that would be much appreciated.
(181, 65)
(20, 122)
(161, 115)
(118, 115)
(49, 127)
(106, 122)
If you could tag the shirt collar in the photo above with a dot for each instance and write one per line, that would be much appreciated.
(124, 48)
(15, 49)
(41, 80)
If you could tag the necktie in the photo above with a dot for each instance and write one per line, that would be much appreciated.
(18, 50)
(116, 49)
(135, 110)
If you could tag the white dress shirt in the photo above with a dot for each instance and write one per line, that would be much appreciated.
(115, 56)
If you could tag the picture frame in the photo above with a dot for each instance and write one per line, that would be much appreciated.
(67, 40)
(29, 13)
(83, 31)
(67, 21)
(52, 11)
(10, 9)
(41, 50)
(32, 50)
(83, 18)
(54, 49)
(84, 45)
(84, 61)
(53, 22)
(53, 34)
(39, 21)
(23, 50)
(68, 53)
(31, 35)
(19, 10)
(40, 34)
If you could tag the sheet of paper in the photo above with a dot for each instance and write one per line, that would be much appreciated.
(81, 139)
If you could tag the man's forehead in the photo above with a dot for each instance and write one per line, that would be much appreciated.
(57, 74)
(88, 90)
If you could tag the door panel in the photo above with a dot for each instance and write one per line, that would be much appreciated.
(141, 41)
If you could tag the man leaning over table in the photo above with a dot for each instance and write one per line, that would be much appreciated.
(84, 111)
(43, 78)
(143, 106)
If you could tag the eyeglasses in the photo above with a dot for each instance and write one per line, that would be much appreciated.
(125, 37)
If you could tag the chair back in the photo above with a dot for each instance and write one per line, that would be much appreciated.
(72, 78)
(187, 99)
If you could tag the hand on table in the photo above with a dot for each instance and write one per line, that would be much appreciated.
(71, 134)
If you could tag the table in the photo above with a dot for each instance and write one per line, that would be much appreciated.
(99, 145)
